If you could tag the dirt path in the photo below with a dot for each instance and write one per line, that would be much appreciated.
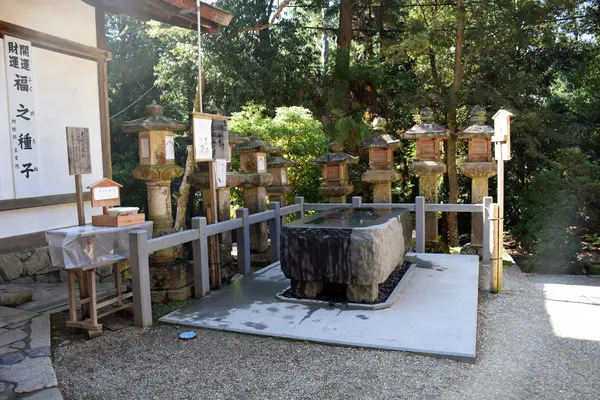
(538, 340)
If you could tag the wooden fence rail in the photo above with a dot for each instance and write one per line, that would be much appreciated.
(141, 247)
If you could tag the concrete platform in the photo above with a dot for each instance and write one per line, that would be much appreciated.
(436, 312)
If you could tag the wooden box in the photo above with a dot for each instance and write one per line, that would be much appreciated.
(126, 220)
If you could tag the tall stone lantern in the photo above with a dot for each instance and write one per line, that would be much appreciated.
(335, 173)
(429, 167)
(381, 171)
(479, 166)
(253, 163)
(278, 167)
(157, 168)
(199, 179)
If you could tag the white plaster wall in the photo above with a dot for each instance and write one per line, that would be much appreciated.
(66, 94)
(68, 19)
(29, 220)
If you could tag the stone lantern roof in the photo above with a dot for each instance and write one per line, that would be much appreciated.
(427, 128)
(335, 156)
(255, 145)
(280, 162)
(235, 139)
(154, 121)
(478, 129)
(384, 141)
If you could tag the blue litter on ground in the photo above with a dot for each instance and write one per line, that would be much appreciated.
(187, 335)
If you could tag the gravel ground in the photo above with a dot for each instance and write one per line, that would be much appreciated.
(519, 357)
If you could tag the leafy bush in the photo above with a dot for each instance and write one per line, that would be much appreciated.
(298, 132)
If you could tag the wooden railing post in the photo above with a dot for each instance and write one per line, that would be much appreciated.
(420, 224)
(300, 214)
(200, 257)
(275, 231)
(243, 242)
(496, 264)
(487, 231)
(356, 202)
(140, 278)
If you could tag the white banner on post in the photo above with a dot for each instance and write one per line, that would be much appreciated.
(21, 102)
(202, 139)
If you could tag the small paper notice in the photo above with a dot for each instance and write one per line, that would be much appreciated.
(106, 193)
(169, 148)
(145, 147)
(221, 172)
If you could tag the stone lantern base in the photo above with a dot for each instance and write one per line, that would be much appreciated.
(381, 179)
(336, 194)
(172, 282)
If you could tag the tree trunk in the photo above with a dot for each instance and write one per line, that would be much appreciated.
(453, 124)
(344, 39)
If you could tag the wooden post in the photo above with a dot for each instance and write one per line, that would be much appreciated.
(79, 197)
(243, 242)
(356, 202)
(300, 200)
(496, 258)
(420, 224)
(200, 256)
(102, 71)
(275, 231)
(212, 218)
(500, 230)
(487, 230)
(140, 278)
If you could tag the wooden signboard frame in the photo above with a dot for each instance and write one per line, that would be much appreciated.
(80, 162)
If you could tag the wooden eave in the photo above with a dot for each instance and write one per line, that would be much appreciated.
(168, 12)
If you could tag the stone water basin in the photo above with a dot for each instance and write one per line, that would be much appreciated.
(351, 249)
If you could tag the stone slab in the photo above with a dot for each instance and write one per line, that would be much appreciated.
(436, 311)
(46, 394)
(18, 345)
(40, 331)
(38, 352)
(11, 358)
(14, 335)
(12, 316)
(30, 374)
(14, 295)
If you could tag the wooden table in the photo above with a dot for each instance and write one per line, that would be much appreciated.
(88, 298)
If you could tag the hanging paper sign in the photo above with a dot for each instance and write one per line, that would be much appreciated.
(78, 151)
(283, 178)
(169, 148)
(21, 103)
(221, 172)
(202, 139)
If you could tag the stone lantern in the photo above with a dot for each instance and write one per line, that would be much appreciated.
(157, 167)
(199, 179)
(381, 171)
(428, 166)
(479, 166)
(253, 163)
(278, 167)
(335, 173)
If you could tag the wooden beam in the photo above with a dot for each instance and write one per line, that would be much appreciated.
(103, 96)
(43, 201)
(54, 43)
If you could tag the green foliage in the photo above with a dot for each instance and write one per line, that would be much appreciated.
(561, 200)
(299, 134)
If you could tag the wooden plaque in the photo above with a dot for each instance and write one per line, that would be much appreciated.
(78, 150)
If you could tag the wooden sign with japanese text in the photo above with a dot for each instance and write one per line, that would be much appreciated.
(105, 193)
(21, 103)
(78, 151)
